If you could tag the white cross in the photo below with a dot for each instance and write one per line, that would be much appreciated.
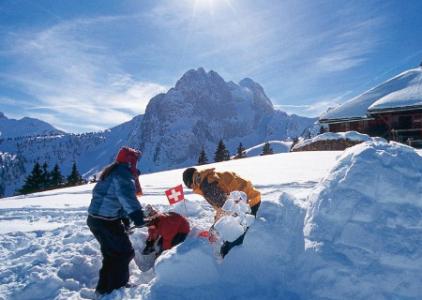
(174, 195)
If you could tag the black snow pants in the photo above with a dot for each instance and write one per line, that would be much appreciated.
(117, 253)
(227, 246)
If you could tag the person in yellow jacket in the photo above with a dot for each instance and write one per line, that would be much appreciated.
(215, 187)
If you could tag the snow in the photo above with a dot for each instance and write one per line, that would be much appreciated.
(331, 136)
(277, 146)
(326, 229)
(400, 91)
(27, 225)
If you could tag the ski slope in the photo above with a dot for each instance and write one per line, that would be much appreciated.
(47, 251)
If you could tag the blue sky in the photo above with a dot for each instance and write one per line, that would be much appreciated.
(90, 65)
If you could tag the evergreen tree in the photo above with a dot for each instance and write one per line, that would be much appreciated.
(74, 178)
(45, 176)
(267, 149)
(56, 177)
(34, 181)
(322, 130)
(202, 159)
(240, 152)
(221, 153)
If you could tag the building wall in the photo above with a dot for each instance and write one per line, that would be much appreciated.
(403, 127)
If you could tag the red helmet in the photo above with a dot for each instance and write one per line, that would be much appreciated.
(129, 156)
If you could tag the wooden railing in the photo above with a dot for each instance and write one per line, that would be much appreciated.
(412, 137)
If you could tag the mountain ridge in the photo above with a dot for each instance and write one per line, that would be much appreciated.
(26, 126)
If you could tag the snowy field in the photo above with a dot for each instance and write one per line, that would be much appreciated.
(332, 225)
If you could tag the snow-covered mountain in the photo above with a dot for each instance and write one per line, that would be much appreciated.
(91, 151)
(10, 128)
(199, 111)
(202, 109)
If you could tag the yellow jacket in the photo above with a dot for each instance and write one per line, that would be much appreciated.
(226, 182)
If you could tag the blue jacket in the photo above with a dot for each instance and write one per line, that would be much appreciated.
(115, 197)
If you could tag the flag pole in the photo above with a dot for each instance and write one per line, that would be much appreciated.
(186, 208)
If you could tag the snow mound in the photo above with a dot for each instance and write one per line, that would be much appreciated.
(363, 229)
(191, 271)
(332, 136)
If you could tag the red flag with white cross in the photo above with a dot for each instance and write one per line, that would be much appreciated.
(175, 194)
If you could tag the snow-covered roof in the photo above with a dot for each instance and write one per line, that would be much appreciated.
(409, 96)
(403, 90)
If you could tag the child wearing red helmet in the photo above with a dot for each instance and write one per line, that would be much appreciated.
(113, 201)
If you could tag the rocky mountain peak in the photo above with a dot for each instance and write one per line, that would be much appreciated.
(2, 116)
(260, 98)
(199, 79)
(202, 109)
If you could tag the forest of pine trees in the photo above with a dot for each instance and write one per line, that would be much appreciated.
(221, 153)
(42, 179)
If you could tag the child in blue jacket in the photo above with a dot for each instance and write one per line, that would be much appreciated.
(113, 200)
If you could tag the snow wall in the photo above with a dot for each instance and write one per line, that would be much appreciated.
(363, 230)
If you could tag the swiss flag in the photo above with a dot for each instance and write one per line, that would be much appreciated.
(175, 194)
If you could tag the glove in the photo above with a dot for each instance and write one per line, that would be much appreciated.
(149, 248)
(137, 217)
(126, 223)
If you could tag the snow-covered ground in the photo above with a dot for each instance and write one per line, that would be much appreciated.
(327, 229)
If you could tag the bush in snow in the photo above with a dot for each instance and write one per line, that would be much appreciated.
(331, 141)
(266, 149)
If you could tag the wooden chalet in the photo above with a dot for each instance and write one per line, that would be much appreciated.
(392, 110)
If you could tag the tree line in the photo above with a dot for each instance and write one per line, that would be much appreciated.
(222, 153)
(42, 179)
